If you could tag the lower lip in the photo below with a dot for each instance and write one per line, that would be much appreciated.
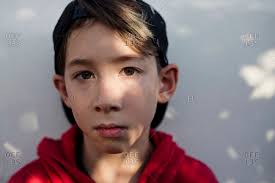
(111, 132)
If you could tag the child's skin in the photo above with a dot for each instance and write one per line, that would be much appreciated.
(109, 93)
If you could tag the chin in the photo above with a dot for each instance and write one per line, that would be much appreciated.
(114, 149)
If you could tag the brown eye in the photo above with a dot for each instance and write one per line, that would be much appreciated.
(130, 71)
(85, 75)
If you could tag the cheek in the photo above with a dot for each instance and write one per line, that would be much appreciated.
(142, 101)
(77, 94)
(78, 102)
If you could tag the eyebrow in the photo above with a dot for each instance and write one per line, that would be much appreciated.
(88, 62)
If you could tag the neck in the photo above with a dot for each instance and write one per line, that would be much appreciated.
(124, 165)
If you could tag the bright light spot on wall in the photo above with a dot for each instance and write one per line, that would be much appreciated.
(224, 114)
(267, 60)
(261, 77)
(10, 148)
(25, 14)
(28, 122)
(269, 135)
(170, 113)
(184, 31)
(232, 153)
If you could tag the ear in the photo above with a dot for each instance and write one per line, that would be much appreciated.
(59, 83)
(168, 82)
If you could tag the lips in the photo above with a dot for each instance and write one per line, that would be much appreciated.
(111, 130)
(109, 126)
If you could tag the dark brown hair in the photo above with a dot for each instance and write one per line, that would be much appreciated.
(124, 17)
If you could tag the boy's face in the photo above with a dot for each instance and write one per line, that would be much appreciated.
(105, 82)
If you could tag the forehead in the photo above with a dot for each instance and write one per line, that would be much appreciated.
(96, 42)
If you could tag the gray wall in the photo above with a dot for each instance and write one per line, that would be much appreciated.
(223, 112)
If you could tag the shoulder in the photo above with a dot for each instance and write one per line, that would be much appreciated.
(32, 172)
(192, 170)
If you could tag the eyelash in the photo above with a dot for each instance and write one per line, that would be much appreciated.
(134, 68)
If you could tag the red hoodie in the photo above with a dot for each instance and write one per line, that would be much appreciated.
(58, 163)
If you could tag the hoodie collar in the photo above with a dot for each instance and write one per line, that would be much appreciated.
(66, 149)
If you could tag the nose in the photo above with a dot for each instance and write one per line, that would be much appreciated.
(109, 96)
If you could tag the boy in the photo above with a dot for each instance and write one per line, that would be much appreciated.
(114, 112)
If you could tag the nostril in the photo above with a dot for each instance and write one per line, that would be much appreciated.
(114, 108)
(97, 109)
